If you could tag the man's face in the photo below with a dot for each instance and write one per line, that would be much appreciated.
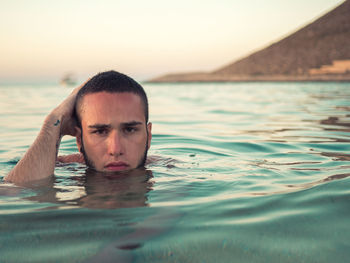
(115, 135)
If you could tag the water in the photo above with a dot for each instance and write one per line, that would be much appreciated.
(248, 172)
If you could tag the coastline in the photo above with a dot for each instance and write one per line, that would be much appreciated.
(319, 51)
(209, 77)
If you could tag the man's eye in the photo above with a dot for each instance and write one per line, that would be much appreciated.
(100, 131)
(129, 129)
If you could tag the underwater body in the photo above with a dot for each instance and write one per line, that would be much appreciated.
(242, 172)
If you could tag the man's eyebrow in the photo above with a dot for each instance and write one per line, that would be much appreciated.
(132, 123)
(99, 126)
(108, 126)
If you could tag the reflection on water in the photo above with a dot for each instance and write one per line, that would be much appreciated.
(96, 190)
(248, 172)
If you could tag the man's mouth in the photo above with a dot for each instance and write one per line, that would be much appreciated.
(117, 166)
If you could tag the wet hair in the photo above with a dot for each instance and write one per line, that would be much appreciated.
(113, 82)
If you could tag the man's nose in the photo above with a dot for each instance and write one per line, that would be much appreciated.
(115, 144)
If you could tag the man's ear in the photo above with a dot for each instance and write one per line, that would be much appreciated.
(78, 138)
(149, 131)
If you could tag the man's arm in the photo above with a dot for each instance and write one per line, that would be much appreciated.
(40, 159)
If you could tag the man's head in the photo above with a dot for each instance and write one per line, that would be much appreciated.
(113, 132)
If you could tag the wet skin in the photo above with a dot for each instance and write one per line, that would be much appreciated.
(115, 135)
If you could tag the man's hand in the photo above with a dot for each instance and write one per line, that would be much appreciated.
(65, 114)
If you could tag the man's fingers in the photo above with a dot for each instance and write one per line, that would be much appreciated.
(76, 90)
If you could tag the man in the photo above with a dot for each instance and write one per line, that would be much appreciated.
(108, 115)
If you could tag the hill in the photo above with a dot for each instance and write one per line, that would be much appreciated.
(318, 51)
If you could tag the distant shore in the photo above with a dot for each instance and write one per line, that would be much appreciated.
(209, 77)
(319, 51)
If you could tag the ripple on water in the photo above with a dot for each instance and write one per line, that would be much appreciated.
(245, 172)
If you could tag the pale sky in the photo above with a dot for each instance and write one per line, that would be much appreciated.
(41, 40)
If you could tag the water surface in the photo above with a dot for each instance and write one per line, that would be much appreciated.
(248, 172)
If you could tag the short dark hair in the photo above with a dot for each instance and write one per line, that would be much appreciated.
(113, 82)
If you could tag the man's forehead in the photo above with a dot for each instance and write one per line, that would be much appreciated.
(103, 96)
(106, 104)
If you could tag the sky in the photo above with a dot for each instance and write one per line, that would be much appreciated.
(42, 40)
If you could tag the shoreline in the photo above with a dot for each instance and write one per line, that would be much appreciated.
(207, 77)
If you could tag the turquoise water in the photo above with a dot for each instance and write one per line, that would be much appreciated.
(247, 172)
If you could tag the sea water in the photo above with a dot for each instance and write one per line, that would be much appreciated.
(245, 172)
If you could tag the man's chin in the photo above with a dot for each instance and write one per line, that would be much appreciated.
(114, 167)
(117, 170)
(118, 167)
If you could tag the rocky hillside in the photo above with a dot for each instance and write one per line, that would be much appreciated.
(319, 51)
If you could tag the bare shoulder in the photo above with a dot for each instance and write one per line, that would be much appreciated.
(71, 158)
(162, 161)
(152, 159)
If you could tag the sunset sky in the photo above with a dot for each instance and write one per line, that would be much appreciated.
(41, 40)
